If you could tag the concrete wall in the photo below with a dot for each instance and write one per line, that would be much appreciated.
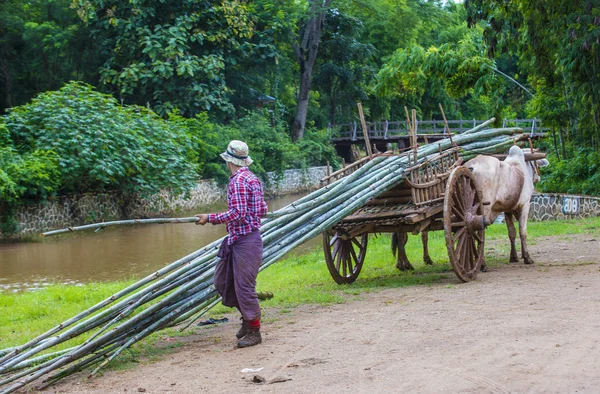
(92, 208)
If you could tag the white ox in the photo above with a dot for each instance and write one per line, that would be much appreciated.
(507, 186)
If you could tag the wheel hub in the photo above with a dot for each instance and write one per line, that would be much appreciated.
(474, 222)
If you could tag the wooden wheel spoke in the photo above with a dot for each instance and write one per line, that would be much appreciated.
(459, 214)
(469, 194)
(457, 235)
(333, 239)
(336, 250)
(458, 224)
(477, 236)
(353, 253)
(473, 254)
(350, 266)
(339, 258)
(457, 199)
(357, 243)
(460, 249)
(468, 257)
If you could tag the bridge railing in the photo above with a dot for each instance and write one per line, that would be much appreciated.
(394, 129)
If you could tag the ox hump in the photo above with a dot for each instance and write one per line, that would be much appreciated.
(516, 154)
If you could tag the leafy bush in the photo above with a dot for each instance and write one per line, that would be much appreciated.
(101, 145)
(579, 175)
(316, 148)
(4, 134)
(32, 176)
(270, 147)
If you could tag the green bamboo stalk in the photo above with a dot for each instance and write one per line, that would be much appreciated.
(196, 315)
(479, 127)
(120, 223)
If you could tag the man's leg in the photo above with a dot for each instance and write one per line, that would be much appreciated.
(246, 258)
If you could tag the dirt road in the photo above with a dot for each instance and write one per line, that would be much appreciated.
(517, 329)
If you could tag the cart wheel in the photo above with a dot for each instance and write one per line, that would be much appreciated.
(344, 256)
(464, 224)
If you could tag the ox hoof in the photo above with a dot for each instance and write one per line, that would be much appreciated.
(528, 261)
(514, 260)
(483, 268)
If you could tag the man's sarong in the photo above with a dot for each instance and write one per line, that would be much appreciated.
(236, 271)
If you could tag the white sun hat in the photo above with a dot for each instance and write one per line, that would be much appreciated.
(237, 153)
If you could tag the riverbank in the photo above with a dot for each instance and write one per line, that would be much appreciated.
(112, 254)
(66, 211)
(295, 280)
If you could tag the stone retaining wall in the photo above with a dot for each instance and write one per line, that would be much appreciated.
(563, 206)
(91, 208)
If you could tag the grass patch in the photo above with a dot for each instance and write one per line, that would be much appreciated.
(296, 280)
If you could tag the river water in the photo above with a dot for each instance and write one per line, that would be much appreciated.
(115, 253)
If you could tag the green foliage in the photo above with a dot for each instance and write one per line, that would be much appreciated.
(270, 147)
(100, 145)
(172, 54)
(578, 175)
(32, 176)
(316, 148)
(43, 44)
(426, 77)
(557, 46)
(4, 134)
(346, 67)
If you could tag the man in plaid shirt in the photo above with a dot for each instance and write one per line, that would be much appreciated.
(241, 252)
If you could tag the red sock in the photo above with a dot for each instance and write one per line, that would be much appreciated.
(254, 324)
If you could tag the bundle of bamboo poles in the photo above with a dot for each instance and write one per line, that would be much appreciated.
(182, 291)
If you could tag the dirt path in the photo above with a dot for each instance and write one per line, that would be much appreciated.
(517, 329)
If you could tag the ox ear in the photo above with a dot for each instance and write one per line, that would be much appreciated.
(542, 163)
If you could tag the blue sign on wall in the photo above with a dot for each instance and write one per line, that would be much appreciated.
(570, 205)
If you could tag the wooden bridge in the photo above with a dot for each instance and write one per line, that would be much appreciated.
(384, 134)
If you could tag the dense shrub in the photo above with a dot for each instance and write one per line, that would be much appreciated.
(578, 175)
(77, 140)
(102, 145)
(30, 177)
(270, 146)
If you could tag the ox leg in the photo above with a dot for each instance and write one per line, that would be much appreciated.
(523, 216)
(512, 234)
(398, 243)
(425, 240)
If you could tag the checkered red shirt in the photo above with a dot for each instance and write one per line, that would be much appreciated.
(245, 205)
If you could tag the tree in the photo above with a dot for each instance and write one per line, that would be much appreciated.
(557, 44)
(306, 54)
(423, 77)
(346, 65)
(43, 44)
(171, 54)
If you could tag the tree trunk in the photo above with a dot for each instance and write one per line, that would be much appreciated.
(4, 71)
(332, 108)
(306, 55)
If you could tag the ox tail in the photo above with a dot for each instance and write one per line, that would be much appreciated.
(394, 243)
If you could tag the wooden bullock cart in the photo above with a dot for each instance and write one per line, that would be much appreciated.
(438, 194)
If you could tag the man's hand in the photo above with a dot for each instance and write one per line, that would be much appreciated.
(202, 218)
